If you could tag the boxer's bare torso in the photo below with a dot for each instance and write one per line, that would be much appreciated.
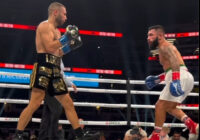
(47, 39)
(169, 56)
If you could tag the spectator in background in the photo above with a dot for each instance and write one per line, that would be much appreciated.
(136, 133)
(177, 136)
(61, 132)
(164, 133)
(193, 137)
(102, 137)
(33, 137)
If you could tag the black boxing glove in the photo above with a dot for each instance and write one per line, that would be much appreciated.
(71, 40)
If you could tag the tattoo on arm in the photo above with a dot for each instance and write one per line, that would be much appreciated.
(172, 57)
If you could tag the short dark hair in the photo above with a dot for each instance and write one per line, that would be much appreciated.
(177, 132)
(53, 6)
(157, 27)
(135, 130)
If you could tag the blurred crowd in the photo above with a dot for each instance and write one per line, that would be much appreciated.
(135, 133)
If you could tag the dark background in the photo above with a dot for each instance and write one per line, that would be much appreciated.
(129, 53)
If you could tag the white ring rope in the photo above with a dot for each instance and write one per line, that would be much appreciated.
(102, 123)
(87, 104)
(157, 93)
(117, 81)
(94, 90)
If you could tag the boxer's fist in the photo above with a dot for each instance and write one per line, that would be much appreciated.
(71, 40)
(175, 88)
(72, 31)
(151, 81)
(175, 85)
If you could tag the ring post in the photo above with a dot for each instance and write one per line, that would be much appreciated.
(128, 100)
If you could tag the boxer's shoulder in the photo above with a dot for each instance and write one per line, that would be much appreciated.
(44, 26)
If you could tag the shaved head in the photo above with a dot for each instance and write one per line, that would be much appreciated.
(54, 6)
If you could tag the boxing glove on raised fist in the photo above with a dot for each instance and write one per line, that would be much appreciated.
(151, 81)
(71, 39)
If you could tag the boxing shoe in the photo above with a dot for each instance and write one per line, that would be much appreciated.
(18, 137)
(155, 136)
(192, 126)
(87, 135)
(23, 136)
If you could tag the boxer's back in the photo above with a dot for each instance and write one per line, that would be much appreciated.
(165, 60)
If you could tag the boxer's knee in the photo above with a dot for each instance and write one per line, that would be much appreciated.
(165, 105)
(159, 105)
(171, 106)
(66, 102)
(37, 96)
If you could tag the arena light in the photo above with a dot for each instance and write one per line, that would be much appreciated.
(186, 34)
(96, 33)
(82, 70)
(100, 71)
(16, 66)
(83, 32)
(189, 105)
(192, 57)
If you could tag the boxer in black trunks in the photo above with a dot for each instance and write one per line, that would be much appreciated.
(51, 46)
(52, 110)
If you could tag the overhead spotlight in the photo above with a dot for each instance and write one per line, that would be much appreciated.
(196, 52)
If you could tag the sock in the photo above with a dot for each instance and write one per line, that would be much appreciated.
(184, 118)
(157, 129)
(78, 132)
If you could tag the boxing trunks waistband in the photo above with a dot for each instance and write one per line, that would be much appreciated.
(182, 66)
(48, 58)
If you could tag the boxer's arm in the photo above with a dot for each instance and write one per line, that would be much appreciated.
(67, 82)
(151, 81)
(70, 83)
(47, 38)
(161, 77)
